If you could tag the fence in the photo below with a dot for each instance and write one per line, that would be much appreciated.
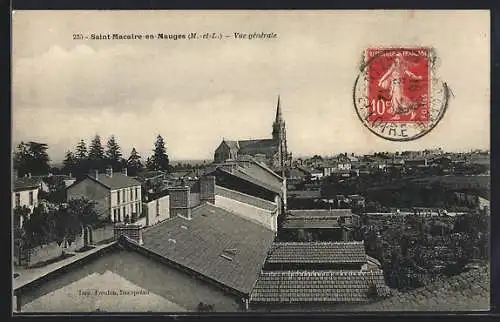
(52, 250)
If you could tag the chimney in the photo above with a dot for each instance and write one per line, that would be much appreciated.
(207, 189)
(109, 172)
(131, 231)
(124, 171)
(94, 174)
(180, 202)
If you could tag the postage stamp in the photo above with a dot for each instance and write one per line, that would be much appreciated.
(397, 95)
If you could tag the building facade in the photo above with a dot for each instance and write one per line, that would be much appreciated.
(117, 196)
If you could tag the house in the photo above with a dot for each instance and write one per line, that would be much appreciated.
(117, 195)
(344, 162)
(317, 276)
(151, 180)
(416, 162)
(192, 193)
(316, 174)
(356, 201)
(25, 194)
(297, 175)
(201, 258)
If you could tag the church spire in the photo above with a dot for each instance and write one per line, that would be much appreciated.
(278, 111)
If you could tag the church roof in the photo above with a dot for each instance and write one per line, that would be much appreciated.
(263, 146)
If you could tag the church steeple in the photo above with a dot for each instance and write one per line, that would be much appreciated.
(279, 135)
(278, 112)
(278, 122)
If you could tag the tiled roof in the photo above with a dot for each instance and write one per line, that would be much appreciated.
(317, 286)
(252, 147)
(469, 291)
(241, 197)
(215, 243)
(304, 194)
(317, 252)
(116, 181)
(26, 183)
(315, 218)
(309, 223)
(312, 213)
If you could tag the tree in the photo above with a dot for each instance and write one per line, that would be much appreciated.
(159, 159)
(149, 163)
(96, 153)
(70, 162)
(21, 214)
(66, 227)
(81, 159)
(37, 227)
(31, 157)
(83, 211)
(113, 153)
(81, 151)
(134, 162)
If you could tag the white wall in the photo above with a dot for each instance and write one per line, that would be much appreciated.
(128, 199)
(255, 214)
(152, 216)
(25, 199)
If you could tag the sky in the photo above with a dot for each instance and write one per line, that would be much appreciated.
(197, 92)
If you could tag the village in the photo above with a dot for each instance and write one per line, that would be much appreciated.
(254, 229)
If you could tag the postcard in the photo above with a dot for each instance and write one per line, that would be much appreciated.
(250, 161)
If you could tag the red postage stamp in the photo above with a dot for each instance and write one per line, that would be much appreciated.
(397, 94)
(399, 84)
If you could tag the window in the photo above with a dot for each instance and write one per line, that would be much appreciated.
(31, 198)
(136, 193)
(131, 197)
(114, 215)
(118, 212)
(118, 196)
(124, 212)
(157, 208)
(18, 199)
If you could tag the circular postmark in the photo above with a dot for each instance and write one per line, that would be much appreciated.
(397, 94)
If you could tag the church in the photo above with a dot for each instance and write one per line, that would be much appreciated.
(273, 152)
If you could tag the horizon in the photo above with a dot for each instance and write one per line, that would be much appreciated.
(196, 93)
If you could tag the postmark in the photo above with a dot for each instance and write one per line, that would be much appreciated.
(398, 95)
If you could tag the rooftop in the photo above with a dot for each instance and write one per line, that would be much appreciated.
(469, 291)
(26, 183)
(274, 287)
(115, 181)
(317, 252)
(215, 243)
(263, 146)
(314, 213)
(255, 173)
